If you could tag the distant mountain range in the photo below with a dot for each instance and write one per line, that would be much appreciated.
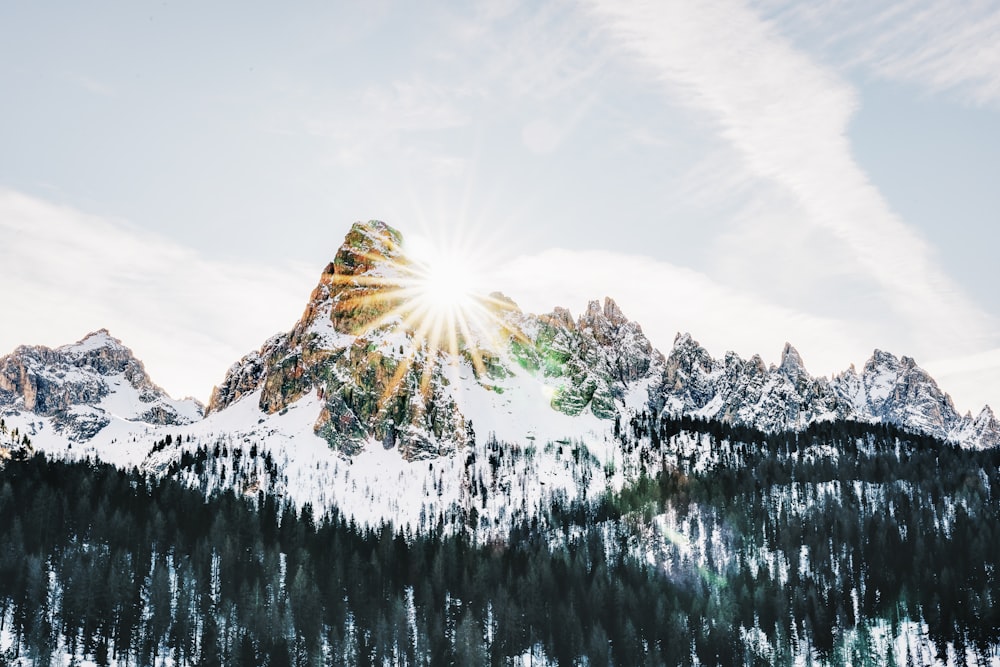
(360, 408)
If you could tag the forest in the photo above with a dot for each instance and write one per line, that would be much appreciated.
(847, 542)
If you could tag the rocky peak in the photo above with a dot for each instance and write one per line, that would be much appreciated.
(615, 345)
(983, 431)
(986, 416)
(881, 359)
(559, 317)
(375, 379)
(96, 340)
(350, 292)
(73, 383)
(500, 302)
(609, 312)
(791, 363)
(683, 339)
(367, 246)
(246, 375)
(47, 381)
(986, 426)
(607, 324)
(688, 353)
(364, 368)
(690, 376)
(612, 312)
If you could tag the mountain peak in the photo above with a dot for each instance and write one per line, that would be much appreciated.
(97, 372)
(882, 358)
(560, 317)
(600, 316)
(367, 245)
(96, 340)
(986, 416)
(684, 339)
(983, 431)
(791, 362)
(347, 295)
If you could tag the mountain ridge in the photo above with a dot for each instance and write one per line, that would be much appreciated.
(379, 379)
(360, 406)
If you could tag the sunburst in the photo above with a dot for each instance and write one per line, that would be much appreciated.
(432, 292)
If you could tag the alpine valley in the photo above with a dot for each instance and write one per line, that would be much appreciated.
(532, 489)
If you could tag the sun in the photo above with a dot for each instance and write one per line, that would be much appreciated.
(433, 292)
(445, 286)
(441, 300)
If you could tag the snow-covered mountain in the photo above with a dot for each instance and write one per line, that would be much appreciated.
(600, 365)
(80, 388)
(356, 407)
(888, 390)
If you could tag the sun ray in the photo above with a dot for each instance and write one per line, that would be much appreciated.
(431, 297)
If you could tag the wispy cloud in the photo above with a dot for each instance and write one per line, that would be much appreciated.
(65, 273)
(786, 118)
(487, 66)
(939, 45)
(374, 120)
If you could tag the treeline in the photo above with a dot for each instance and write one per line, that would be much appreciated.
(867, 523)
(119, 567)
(826, 544)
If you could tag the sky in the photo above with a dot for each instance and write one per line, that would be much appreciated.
(751, 172)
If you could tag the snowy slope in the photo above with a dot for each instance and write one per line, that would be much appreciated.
(77, 391)
(354, 409)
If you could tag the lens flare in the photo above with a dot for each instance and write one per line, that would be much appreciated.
(432, 293)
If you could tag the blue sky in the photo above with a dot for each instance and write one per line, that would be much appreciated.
(751, 172)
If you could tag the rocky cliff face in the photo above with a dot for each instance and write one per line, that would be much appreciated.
(378, 379)
(374, 377)
(361, 354)
(785, 397)
(595, 359)
(81, 386)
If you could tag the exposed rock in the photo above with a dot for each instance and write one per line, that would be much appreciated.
(377, 385)
(374, 378)
(888, 390)
(50, 383)
(983, 431)
(80, 425)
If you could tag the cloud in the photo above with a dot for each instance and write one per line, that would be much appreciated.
(376, 119)
(939, 45)
(786, 118)
(187, 316)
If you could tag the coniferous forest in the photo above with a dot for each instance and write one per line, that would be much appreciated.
(846, 543)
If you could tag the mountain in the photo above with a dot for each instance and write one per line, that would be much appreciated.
(888, 390)
(414, 477)
(368, 380)
(600, 364)
(84, 387)
(365, 405)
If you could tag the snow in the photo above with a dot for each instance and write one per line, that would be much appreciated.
(93, 341)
